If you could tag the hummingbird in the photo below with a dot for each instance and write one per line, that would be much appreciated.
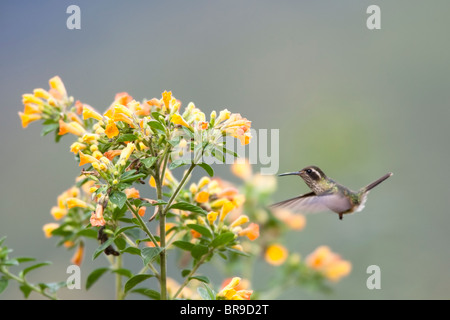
(327, 194)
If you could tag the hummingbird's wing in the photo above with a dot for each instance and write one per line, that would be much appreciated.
(312, 203)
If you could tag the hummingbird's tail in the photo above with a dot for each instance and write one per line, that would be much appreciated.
(377, 182)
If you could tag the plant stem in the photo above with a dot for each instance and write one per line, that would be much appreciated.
(180, 186)
(118, 265)
(142, 223)
(186, 281)
(162, 239)
(24, 282)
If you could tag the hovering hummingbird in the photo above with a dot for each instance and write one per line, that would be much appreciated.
(327, 194)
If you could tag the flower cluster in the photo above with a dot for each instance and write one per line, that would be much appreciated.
(328, 263)
(234, 289)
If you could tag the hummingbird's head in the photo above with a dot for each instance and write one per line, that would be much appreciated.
(312, 175)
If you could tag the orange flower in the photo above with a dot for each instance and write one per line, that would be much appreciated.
(328, 263)
(78, 256)
(295, 221)
(97, 219)
(238, 127)
(112, 153)
(203, 125)
(111, 129)
(252, 231)
(27, 118)
(202, 197)
(85, 158)
(195, 234)
(71, 127)
(122, 98)
(276, 254)
(132, 193)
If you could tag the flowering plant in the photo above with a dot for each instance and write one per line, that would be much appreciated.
(140, 143)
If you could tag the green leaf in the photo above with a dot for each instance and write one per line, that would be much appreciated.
(198, 251)
(204, 294)
(157, 203)
(24, 272)
(200, 278)
(119, 231)
(127, 137)
(218, 155)
(178, 163)
(156, 125)
(200, 229)
(132, 250)
(127, 174)
(3, 284)
(120, 243)
(230, 152)
(46, 129)
(186, 206)
(26, 290)
(148, 254)
(185, 245)
(53, 286)
(185, 272)
(212, 294)
(149, 162)
(152, 294)
(88, 232)
(2, 239)
(157, 115)
(25, 259)
(239, 252)
(134, 177)
(94, 276)
(223, 239)
(134, 281)
(10, 262)
(118, 198)
(207, 168)
(102, 248)
(123, 272)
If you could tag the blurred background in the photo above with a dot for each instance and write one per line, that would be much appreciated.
(356, 102)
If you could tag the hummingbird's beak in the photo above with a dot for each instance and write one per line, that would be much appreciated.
(290, 174)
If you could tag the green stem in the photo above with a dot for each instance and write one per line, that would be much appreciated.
(24, 282)
(186, 281)
(142, 223)
(180, 186)
(162, 239)
(119, 292)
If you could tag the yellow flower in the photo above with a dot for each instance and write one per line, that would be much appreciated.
(29, 98)
(193, 188)
(239, 221)
(58, 212)
(27, 118)
(77, 147)
(41, 93)
(238, 127)
(31, 109)
(71, 127)
(177, 119)
(126, 153)
(91, 113)
(75, 202)
(276, 254)
(232, 291)
(57, 88)
(121, 109)
(212, 216)
(227, 207)
(48, 228)
(203, 182)
(167, 97)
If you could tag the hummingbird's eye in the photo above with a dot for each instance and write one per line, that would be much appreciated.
(308, 170)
